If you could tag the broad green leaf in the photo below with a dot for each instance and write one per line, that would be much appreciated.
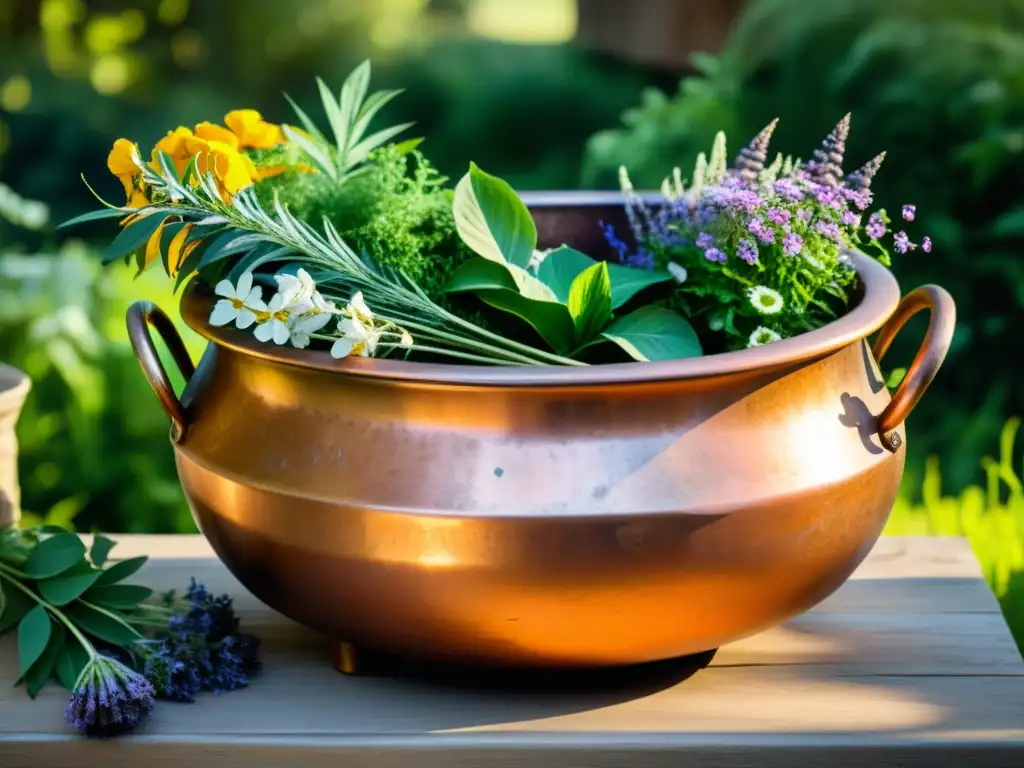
(627, 282)
(61, 590)
(100, 550)
(480, 274)
(33, 635)
(492, 220)
(590, 302)
(14, 604)
(550, 319)
(529, 286)
(71, 660)
(103, 213)
(560, 267)
(120, 596)
(54, 555)
(40, 672)
(654, 333)
(101, 625)
(132, 237)
(121, 570)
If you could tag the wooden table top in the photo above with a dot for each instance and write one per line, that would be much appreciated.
(909, 663)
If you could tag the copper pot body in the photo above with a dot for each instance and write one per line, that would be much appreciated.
(542, 517)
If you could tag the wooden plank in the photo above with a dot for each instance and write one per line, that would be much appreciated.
(855, 680)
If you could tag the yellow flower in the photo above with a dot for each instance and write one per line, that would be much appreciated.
(153, 245)
(233, 170)
(177, 251)
(175, 144)
(216, 133)
(252, 131)
(123, 162)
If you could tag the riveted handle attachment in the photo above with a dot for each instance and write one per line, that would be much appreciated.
(927, 361)
(141, 316)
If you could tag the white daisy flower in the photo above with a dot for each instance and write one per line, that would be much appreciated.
(678, 271)
(765, 300)
(356, 339)
(240, 302)
(763, 336)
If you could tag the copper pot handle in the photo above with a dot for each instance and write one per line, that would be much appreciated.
(142, 315)
(927, 361)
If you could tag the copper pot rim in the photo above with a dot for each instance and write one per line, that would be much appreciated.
(880, 296)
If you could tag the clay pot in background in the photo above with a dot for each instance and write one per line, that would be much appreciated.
(659, 33)
(14, 386)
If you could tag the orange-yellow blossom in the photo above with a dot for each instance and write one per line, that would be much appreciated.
(175, 144)
(234, 170)
(178, 251)
(123, 161)
(252, 130)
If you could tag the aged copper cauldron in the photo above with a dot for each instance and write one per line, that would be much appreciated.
(546, 517)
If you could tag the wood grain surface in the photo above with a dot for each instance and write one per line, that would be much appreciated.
(909, 663)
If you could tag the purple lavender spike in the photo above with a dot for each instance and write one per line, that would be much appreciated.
(862, 177)
(751, 159)
(826, 165)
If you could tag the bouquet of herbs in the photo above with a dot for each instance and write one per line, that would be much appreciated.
(112, 646)
(348, 240)
(760, 250)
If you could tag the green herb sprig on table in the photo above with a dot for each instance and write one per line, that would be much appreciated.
(105, 640)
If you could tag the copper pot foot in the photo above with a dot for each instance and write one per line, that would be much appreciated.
(345, 658)
(360, 662)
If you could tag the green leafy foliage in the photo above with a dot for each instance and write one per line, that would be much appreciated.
(51, 587)
(54, 555)
(654, 333)
(33, 635)
(92, 438)
(590, 302)
(349, 117)
(566, 296)
(492, 220)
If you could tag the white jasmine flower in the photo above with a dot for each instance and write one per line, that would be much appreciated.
(678, 271)
(405, 341)
(303, 326)
(357, 309)
(273, 323)
(356, 339)
(240, 302)
(763, 336)
(765, 300)
(296, 291)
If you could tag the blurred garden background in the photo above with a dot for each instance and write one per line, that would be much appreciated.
(549, 94)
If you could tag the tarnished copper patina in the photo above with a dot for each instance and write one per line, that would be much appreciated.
(560, 517)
